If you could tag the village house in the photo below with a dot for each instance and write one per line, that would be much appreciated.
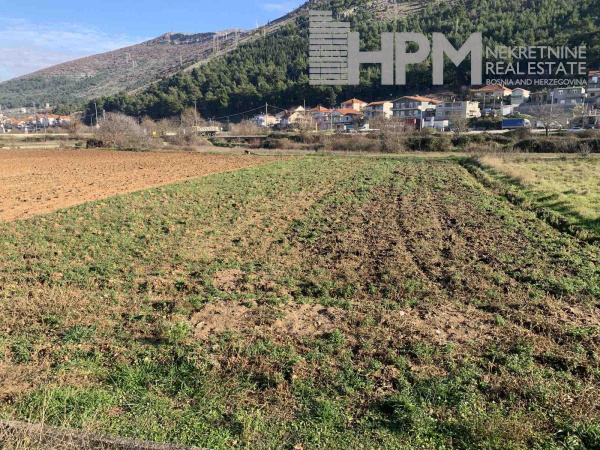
(567, 96)
(414, 107)
(490, 96)
(296, 109)
(264, 121)
(64, 120)
(354, 103)
(445, 96)
(453, 110)
(321, 117)
(593, 87)
(519, 96)
(379, 109)
(290, 118)
(344, 119)
(539, 97)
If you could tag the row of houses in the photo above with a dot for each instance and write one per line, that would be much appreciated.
(34, 121)
(356, 114)
(496, 95)
(437, 110)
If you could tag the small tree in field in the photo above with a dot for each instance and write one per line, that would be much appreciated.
(190, 118)
(121, 131)
(550, 116)
(75, 125)
(390, 132)
(460, 123)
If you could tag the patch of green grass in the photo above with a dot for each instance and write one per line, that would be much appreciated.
(570, 187)
(437, 326)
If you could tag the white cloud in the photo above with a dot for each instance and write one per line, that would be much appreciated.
(27, 47)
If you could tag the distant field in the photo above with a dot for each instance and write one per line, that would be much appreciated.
(568, 186)
(315, 302)
(40, 181)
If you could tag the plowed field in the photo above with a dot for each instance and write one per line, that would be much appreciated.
(308, 303)
(40, 181)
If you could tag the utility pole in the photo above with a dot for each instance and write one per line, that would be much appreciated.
(96, 108)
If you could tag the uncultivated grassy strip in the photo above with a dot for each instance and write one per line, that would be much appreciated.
(355, 303)
(568, 187)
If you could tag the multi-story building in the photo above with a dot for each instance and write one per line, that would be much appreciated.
(343, 119)
(593, 88)
(322, 117)
(519, 96)
(414, 107)
(291, 117)
(378, 109)
(452, 110)
(264, 121)
(490, 96)
(445, 96)
(540, 97)
(355, 104)
(568, 96)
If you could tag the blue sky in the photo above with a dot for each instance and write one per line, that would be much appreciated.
(49, 32)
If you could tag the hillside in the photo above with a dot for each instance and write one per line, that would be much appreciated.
(115, 71)
(126, 69)
(132, 68)
(274, 68)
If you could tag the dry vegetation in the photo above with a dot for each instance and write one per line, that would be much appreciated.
(568, 187)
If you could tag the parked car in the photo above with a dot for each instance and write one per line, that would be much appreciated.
(575, 129)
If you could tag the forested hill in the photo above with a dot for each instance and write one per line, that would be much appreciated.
(274, 69)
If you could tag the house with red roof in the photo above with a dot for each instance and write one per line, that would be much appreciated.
(322, 117)
(491, 93)
(355, 104)
(379, 109)
(343, 119)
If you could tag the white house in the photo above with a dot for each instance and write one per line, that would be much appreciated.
(379, 109)
(264, 121)
(414, 107)
(344, 118)
(451, 110)
(519, 96)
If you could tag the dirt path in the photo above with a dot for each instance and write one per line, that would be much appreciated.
(41, 181)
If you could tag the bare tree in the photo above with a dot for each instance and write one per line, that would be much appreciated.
(304, 123)
(121, 131)
(551, 116)
(190, 118)
(460, 123)
(391, 133)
